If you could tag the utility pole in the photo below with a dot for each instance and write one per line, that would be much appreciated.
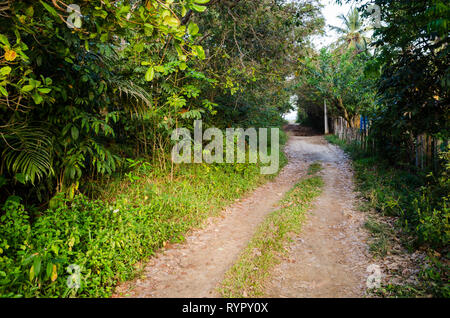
(325, 116)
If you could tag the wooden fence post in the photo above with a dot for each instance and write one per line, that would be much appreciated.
(417, 151)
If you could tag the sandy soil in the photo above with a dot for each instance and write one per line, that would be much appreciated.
(195, 267)
(328, 259)
(330, 256)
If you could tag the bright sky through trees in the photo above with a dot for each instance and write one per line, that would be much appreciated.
(330, 11)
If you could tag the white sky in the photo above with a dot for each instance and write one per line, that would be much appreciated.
(330, 12)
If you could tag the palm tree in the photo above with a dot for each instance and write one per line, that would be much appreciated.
(353, 31)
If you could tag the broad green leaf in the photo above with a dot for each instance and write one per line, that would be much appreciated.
(139, 47)
(29, 11)
(123, 9)
(44, 90)
(200, 52)
(5, 70)
(193, 28)
(171, 21)
(148, 29)
(50, 9)
(198, 8)
(165, 13)
(37, 98)
(4, 40)
(3, 91)
(27, 88)
(149, 74)
(48, 270)
(75, 133)
(31, 272)
(37, 265)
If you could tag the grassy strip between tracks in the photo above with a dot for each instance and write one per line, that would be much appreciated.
(247, 276)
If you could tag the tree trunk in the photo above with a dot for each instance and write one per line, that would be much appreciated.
(346, 115)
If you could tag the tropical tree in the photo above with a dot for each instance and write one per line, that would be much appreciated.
(70, 92)
(413, 59)
(78, 98)
(338, 78)
(353, 32)
(253, 47)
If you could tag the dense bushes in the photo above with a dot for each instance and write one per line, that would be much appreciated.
(81, 104)
(421, 206)
(420, 201)
(422, 209)
(105, 238)
(75, 102)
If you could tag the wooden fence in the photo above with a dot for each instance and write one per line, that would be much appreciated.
(426, 148)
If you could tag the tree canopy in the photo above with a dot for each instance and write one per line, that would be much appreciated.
(79, 93)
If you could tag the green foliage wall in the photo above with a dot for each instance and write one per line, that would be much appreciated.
(75, 101)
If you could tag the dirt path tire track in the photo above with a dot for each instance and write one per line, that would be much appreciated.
(336, 251)
(330, 256)
(195, 267)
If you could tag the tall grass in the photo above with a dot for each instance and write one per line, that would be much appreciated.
(106, 238)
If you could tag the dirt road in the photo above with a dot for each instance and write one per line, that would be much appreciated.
(328, 259)
(330, 256)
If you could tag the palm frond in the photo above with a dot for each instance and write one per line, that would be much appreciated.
(27, 150)
(353, 32)
(139, 99)
(337, 29)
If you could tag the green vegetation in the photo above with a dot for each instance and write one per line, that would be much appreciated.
(380, 242)
(86, 115)
(247, 276)
(404, 75)
(398, 79)
(108, 237)
(338, 75)
(75, 103)
(87, 109)
(314, 168)
(420, 204)
(412, 61)
(353, 33)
